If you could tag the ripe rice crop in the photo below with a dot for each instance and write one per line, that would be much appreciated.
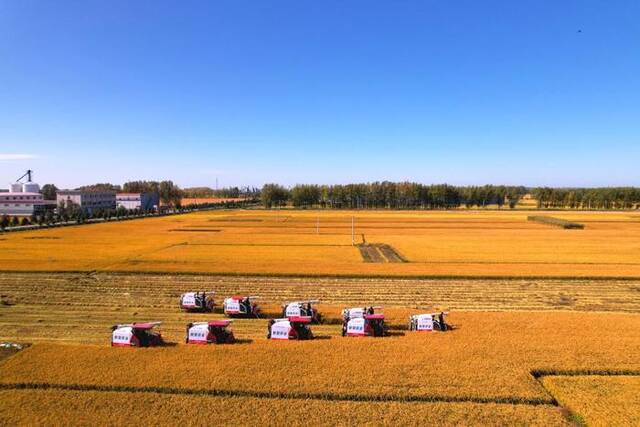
(489, 357)
(598, 400)
(56, 407)
(434, 243)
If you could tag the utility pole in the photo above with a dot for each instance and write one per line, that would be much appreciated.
(353, 236)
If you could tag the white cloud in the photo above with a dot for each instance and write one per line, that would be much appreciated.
(6, 157)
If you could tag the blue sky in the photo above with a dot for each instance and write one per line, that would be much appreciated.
(464, 92)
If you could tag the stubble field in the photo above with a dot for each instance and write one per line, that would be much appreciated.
(539, 339)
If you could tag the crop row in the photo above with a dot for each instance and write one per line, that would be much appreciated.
(59, 407)
(490, 355)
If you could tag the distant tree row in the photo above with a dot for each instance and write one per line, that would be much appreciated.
(390, 195)
(226, 193)
(588, 198)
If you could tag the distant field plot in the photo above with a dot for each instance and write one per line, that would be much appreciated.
(598, 400)
(433, 243)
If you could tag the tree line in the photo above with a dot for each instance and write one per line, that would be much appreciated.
(587, 198)
(225, 193)
(391, 195)
(412, 195)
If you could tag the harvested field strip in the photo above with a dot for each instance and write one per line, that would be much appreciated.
(556, 222)
(326, 396)
(196, 230)
(31, 291)
(390, 253)
(271, 244)
(370, 253)
(379, 252)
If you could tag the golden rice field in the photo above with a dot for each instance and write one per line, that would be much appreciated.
(548, 320)
(435, 243)
(599, 400)
(487, 371)
(55, 407)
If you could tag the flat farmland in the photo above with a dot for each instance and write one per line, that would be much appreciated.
(505, 366)
(547, 320)
(437, 244)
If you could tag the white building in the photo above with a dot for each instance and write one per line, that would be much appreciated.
(87, 200)
(23, 200)
(143, 201)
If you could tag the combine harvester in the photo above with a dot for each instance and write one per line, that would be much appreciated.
(197, 301)
(429, 322)
(290, 328)
(138, 334)
(363, 322)
(241, 306)
(302, 309)
(212, 332)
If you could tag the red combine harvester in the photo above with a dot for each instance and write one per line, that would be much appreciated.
(291, 328)
(197, 301)
(241, 306)
(302, 309)
(138, 334)
(363, 322)
(212, 332)
(429, 321)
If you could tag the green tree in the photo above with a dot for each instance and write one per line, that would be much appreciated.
(4, 222)
(170, 194)
(273, 195)
(49, 191)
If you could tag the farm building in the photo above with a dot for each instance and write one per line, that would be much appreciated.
(23, 200)
(88, 200)
(143, 201)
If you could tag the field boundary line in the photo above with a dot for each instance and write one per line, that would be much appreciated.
(506, 400)
(322, 276)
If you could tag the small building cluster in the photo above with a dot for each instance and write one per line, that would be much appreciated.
(141, 201)
(87, 200)
(24, 199)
